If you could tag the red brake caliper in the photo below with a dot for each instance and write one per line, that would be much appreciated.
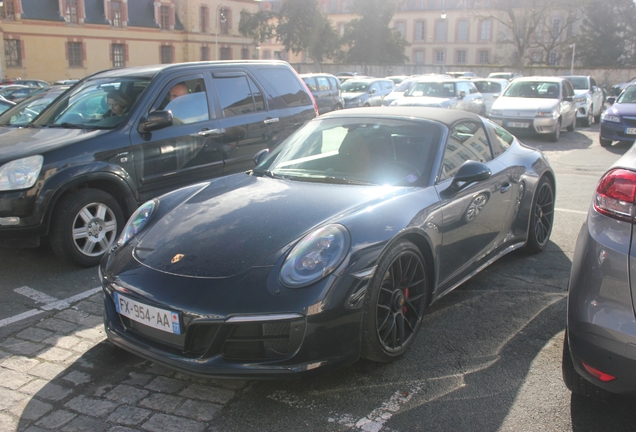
(406, 295)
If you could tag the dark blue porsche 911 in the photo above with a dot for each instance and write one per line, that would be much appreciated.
(331, 249)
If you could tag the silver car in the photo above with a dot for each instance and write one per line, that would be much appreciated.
(589, 99)
(599, 352)
(539, 105)
(365, 92)
(438, 92)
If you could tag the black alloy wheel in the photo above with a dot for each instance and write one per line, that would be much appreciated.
(541, 217)
(395, 304)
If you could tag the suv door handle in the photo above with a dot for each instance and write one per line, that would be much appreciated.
(271, 120)
(209, 132)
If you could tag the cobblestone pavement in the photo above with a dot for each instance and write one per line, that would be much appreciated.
(61, 374)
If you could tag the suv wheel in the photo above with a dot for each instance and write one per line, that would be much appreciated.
(85, 225)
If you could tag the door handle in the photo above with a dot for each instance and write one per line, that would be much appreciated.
(505, 187)
(271, 120)
(210, 132)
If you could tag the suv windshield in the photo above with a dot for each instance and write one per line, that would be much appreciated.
(354, 86)
(95, 104)
(533, 89)
(628, 95)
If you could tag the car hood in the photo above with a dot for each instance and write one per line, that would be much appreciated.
(238, 221)
(581, 92)
(524, 104)
(622, 109)
(21, 142)
(422, 101)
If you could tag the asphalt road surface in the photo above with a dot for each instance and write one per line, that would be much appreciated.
(488, 356)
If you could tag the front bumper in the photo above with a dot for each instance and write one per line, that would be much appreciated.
(225, 330)
(600, 320)
(616, 131)
(527, 125)
(21, 219)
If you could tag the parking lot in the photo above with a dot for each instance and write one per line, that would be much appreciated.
(488, 356)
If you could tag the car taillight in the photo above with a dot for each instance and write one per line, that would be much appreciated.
(616, 195)
(311, 95)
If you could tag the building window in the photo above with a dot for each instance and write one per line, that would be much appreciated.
(486, 30)
(461, 57)
(267, 55)
(333, 6)
(226, 53)
(462, 30)
(13, 52)
(205, 19)
(419, 57)
(205, 53)
(115, 14)
(224, 21)
(8, 10)
(400, 27)
(440, 32)
(167, 54)
(119, 55)
(439, 56)
(419, 31)
(164, 17)
(75, 54)
(245, 53)
(483, 56)
(71, 11)
(556, 28)
(553, 59)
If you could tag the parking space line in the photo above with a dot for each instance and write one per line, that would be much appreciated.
(35, 295)
(571, 211)
(55, 304)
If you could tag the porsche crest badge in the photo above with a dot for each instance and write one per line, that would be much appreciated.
(176, 258)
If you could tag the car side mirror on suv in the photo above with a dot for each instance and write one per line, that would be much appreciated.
(154, 121)
(461, 94)
(611, 100)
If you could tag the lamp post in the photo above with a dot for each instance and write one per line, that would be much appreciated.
(443, 16)
(222, 18)
(573, 46)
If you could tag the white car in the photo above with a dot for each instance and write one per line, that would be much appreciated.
(490, 89)
(538, 105)
(442, 92)
(589, 99)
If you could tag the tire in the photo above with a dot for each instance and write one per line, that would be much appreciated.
(482, 111)
(605, 142)
(554, 136)
(571, 127)
(366, 105)
(337, 107)
(541, 217)
(589, 120)
(394, 306)
(85, 225)
(575, 382)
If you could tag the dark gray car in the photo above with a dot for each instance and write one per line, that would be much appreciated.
(599, 352)
(326, 91)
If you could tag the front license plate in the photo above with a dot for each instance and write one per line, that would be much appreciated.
(630, 131)
(161, 319)
(518, 124)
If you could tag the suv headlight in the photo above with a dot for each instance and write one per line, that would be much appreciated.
(137, 221)
(580, 99)
(20, 173)
(550, 113)
(316, 256)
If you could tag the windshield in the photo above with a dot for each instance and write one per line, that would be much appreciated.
(24, 112)
(351, 86)
(404, 86)
(533, 89)
(357, 151)
(488, 86)
(628, 95)
(432, 89)
(579, 83)
(95, 104)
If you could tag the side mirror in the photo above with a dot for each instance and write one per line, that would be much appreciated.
(461, 94)
(260, 156)
(156, 120)
(611, 100)
(495, 96)
(471, 171)
(372, 91)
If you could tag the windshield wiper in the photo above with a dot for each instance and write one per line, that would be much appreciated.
(267, 173)
(67, 125)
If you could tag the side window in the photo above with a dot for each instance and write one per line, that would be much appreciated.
(592, 83)
(501, 138)
(187, 99)
(387, 85)
(375, 87)
(238, 95)
(323, 83)
(335, 84)
(472, 88)
(311, 83)
(466, 141)
(286, 84)
(463, 87)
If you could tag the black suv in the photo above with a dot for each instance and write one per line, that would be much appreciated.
(123, 136)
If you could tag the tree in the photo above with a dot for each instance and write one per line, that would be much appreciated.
(370, 39)
(607, 34)
(298, 25)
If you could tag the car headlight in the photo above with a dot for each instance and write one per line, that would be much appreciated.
(580, 99)
(20, 173)
(137, 221)
(354, 102)
(610, 118)
(316, 256)
(496, 112)
(550, 113)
